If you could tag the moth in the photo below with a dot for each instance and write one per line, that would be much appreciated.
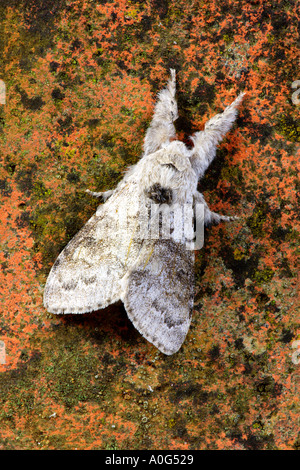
(113, 258)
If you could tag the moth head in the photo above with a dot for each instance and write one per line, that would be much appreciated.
(167, 175)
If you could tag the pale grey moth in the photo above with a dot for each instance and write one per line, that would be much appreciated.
(113, 257)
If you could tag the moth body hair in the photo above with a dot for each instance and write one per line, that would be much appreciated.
(117, 256)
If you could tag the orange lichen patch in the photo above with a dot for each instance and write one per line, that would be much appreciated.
(81, 80)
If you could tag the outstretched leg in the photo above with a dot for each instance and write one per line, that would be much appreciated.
(206, 141)
(161, 129)
(211, 217)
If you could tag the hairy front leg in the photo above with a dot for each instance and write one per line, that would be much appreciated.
(206, 141)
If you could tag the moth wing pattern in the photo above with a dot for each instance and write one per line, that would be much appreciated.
(158, 293)
(86, 275)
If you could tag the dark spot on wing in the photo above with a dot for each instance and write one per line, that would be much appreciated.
(56, 264)
(90, 280)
